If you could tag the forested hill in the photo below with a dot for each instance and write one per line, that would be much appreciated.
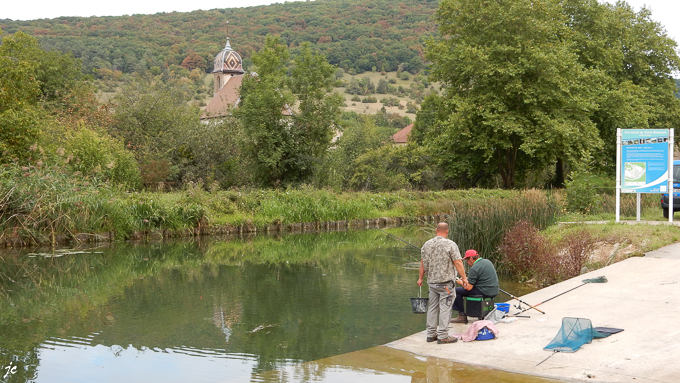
(358, 34)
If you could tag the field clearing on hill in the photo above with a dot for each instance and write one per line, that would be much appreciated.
(358, 106)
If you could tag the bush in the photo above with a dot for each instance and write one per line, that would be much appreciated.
(529, 255)
(524, 250)
(369, 100)
(585, 190)
(575, 249)
(99, 155)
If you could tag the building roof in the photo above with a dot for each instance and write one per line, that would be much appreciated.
(225, 99)
(401, 137)
(228, 61)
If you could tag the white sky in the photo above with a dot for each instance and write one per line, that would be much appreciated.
(664, 11)
(48, 9)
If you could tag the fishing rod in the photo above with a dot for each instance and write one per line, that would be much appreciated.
(395, 237)
(601, 279)
(521, 301)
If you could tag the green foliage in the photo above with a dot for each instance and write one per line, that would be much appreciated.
(20, 117)
(639, 60)
(210, 153)
(99, 155)
(33, 84)
(480, 221)
(530, 84)
(516, 94)
(585, 192)
(393, 167)
(288, 121)
(360, 135)
(147, 113)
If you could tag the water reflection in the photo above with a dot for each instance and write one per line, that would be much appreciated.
(260, 309)
(384, 364)
(68, 360)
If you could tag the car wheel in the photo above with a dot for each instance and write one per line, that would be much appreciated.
(665, 213)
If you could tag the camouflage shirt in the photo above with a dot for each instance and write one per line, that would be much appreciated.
(438, 255)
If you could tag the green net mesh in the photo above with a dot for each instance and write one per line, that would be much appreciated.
(601, 279)
(575, 332)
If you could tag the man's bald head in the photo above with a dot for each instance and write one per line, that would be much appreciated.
(442, 229)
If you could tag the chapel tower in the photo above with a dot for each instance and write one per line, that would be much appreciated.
(228, 63)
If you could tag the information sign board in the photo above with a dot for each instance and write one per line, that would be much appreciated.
(644, 160)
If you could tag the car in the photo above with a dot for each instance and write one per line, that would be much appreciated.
(676, 191)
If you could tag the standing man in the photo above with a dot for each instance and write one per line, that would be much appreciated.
(440, 258)
(482, 281)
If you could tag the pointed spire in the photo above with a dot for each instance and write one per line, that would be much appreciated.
(228, 46)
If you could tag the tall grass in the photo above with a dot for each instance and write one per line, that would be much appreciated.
(481, 223)
(38, 204)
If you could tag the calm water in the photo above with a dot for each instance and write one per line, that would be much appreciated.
(247, 310)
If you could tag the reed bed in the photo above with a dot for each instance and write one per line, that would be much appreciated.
(39, 204)
(481, 223)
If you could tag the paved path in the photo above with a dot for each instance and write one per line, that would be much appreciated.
(648, 350)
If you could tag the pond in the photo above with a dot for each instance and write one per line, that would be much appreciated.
(285, 309)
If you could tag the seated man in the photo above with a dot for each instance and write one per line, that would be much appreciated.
(482, 280)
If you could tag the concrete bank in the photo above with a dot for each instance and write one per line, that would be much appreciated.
(642, 296)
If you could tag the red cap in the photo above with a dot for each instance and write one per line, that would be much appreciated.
(470, 253)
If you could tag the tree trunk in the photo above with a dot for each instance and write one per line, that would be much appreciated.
(559, 173)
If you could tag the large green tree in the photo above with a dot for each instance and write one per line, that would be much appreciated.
(288, 120)
(530, 84)
(638, 59)
(516, 94)
(33, 83)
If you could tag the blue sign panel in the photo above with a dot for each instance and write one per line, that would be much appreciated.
(644, 160)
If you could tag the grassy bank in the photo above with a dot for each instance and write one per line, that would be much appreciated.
(45, 205)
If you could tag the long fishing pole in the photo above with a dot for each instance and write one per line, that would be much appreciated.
(395, 237)
(601, 279)
(521, 301)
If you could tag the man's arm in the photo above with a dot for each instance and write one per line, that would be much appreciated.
(458, 264)
(421, 273)
(467, 286)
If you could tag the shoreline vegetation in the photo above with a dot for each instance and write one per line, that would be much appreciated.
(536, 250)
(79, 211)
(38, 210)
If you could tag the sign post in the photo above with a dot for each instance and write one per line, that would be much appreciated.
(644, 164)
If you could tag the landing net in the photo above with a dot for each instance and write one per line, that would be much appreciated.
(575, 332)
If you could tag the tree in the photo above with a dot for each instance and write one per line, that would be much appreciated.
(32, 84)
(516, 95)
(383, 86)
(19, 116)
(533, 84)
(392, 167)
(285, 144)
(639, 60)
(312, 79)
(193, 61)
(149, 117)
(360, 134)
(147, 113)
